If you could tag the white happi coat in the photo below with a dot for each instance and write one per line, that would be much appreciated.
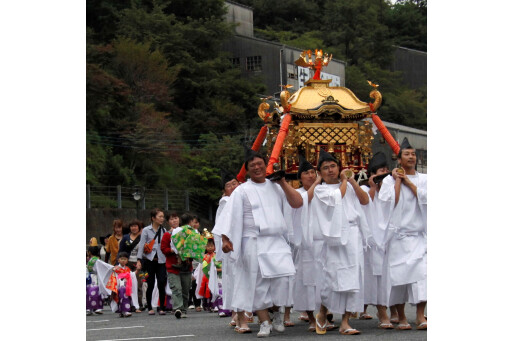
(406, 236)
(343, 226)
(255, 224)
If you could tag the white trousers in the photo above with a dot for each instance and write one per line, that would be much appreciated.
(251, 292)
(308, 280)
(413, 293)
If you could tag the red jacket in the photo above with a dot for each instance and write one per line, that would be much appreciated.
(170, 257)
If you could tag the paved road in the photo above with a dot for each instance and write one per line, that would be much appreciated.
(209, 326)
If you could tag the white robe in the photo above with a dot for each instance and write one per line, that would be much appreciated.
(262, 260)
(292, 217)
(103, 271)
(219, 229)
(376, 290)
(308, 245)
(343, 225)
(405, 263)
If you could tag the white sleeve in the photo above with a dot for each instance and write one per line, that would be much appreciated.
(387, 189)
(422, 189)
(233, 220)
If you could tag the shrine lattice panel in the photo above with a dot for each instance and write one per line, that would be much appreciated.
(338, 135)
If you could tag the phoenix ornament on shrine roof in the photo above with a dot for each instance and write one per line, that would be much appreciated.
(317, 64)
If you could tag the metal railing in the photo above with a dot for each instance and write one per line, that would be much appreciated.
(166, 199)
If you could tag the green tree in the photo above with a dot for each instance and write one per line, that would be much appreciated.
(209, 92)
(151, 93)
(298, 16)
(355, 31)
(102, 18)
(407, 22)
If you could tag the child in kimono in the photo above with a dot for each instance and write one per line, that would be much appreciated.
(204, 290)
(94, 301)
(121, 285)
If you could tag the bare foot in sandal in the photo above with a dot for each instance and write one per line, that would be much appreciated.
(312, 322)
(384, 321)
(320, 324)
(345, 327)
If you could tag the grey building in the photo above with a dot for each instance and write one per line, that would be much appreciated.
(412, 64)
(241, 15)
(273, 62)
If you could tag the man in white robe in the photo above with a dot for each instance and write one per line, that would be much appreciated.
(376, 291)
(406, 251)
(307, 285)
(336, 211)
(230, 183)
(255, 239)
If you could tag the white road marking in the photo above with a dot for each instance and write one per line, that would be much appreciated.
(97, 321)
(149, 338)
(116, 328)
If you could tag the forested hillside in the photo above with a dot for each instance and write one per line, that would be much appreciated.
(165, 108)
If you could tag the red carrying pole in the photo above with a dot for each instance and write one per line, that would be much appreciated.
(283, 131)
(386, 134)
(255, 146)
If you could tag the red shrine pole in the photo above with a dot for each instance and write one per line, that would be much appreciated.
(255, 146)
(386, 134)
(278, 146)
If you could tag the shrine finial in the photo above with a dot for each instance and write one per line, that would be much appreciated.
(317, 64)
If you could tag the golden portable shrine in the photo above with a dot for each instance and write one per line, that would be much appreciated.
(316, 117)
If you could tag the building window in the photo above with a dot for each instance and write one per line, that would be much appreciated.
(253, 63)
(235, 62)
(292, 71)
